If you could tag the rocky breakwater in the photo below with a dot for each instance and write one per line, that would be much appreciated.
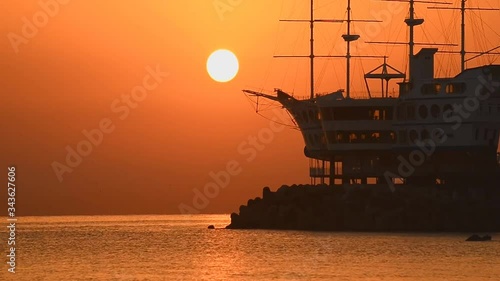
(372, 208)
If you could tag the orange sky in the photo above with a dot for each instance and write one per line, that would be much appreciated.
(87, 54)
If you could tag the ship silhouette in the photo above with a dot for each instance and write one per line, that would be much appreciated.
(432, 131)
(422, 159)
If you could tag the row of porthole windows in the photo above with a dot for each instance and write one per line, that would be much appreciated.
(316, 140)
(408, 112)
(361, 137)
(450, 88)
(413, 135)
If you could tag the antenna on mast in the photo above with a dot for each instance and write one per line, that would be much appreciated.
(348, 38)
(412, 22)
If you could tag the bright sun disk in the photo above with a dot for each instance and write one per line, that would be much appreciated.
(222, 65)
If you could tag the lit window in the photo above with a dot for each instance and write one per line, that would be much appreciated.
(455, 88)
(392, 135)
(437, 88)
(449, 89)
(353, 137)
(340, 137)
(430, 89)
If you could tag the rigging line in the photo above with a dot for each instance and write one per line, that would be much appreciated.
(484, 23)
(406, 59)
(288, 67)
(429, 38)
(492, 29)
(392, 46)
(295, 127)
(485, 38)
(483, 53)
(256, 107)
(476, 28)
(297, 63)
(353, 70)
(252, 103)
(325, 63)
(448, 36)
(339, 32)
(389, 31)
(365, 92)
(270, 65)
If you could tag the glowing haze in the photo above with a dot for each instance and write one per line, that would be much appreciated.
(108, 107)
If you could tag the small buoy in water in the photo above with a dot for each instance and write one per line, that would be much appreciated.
(211, 226)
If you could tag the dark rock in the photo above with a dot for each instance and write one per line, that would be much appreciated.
(372, 208)
(266, 193)
(250, 202)
(476, 237)
(211, 226)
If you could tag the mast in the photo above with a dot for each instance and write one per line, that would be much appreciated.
(348, 38)
(411, 22)
(412, 41)
(348, 54)
(312, 49)
(462, 37)
(311, 55)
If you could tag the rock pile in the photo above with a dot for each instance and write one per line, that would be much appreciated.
(372, 208)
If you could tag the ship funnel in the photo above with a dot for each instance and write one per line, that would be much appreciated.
(423, 64)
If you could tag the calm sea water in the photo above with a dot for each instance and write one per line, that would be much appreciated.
(182, 248)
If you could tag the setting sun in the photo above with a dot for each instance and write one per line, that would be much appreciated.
(222, 65)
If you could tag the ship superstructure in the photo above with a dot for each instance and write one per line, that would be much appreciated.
(433, 131)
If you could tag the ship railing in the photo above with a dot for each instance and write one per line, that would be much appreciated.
(355, 96)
